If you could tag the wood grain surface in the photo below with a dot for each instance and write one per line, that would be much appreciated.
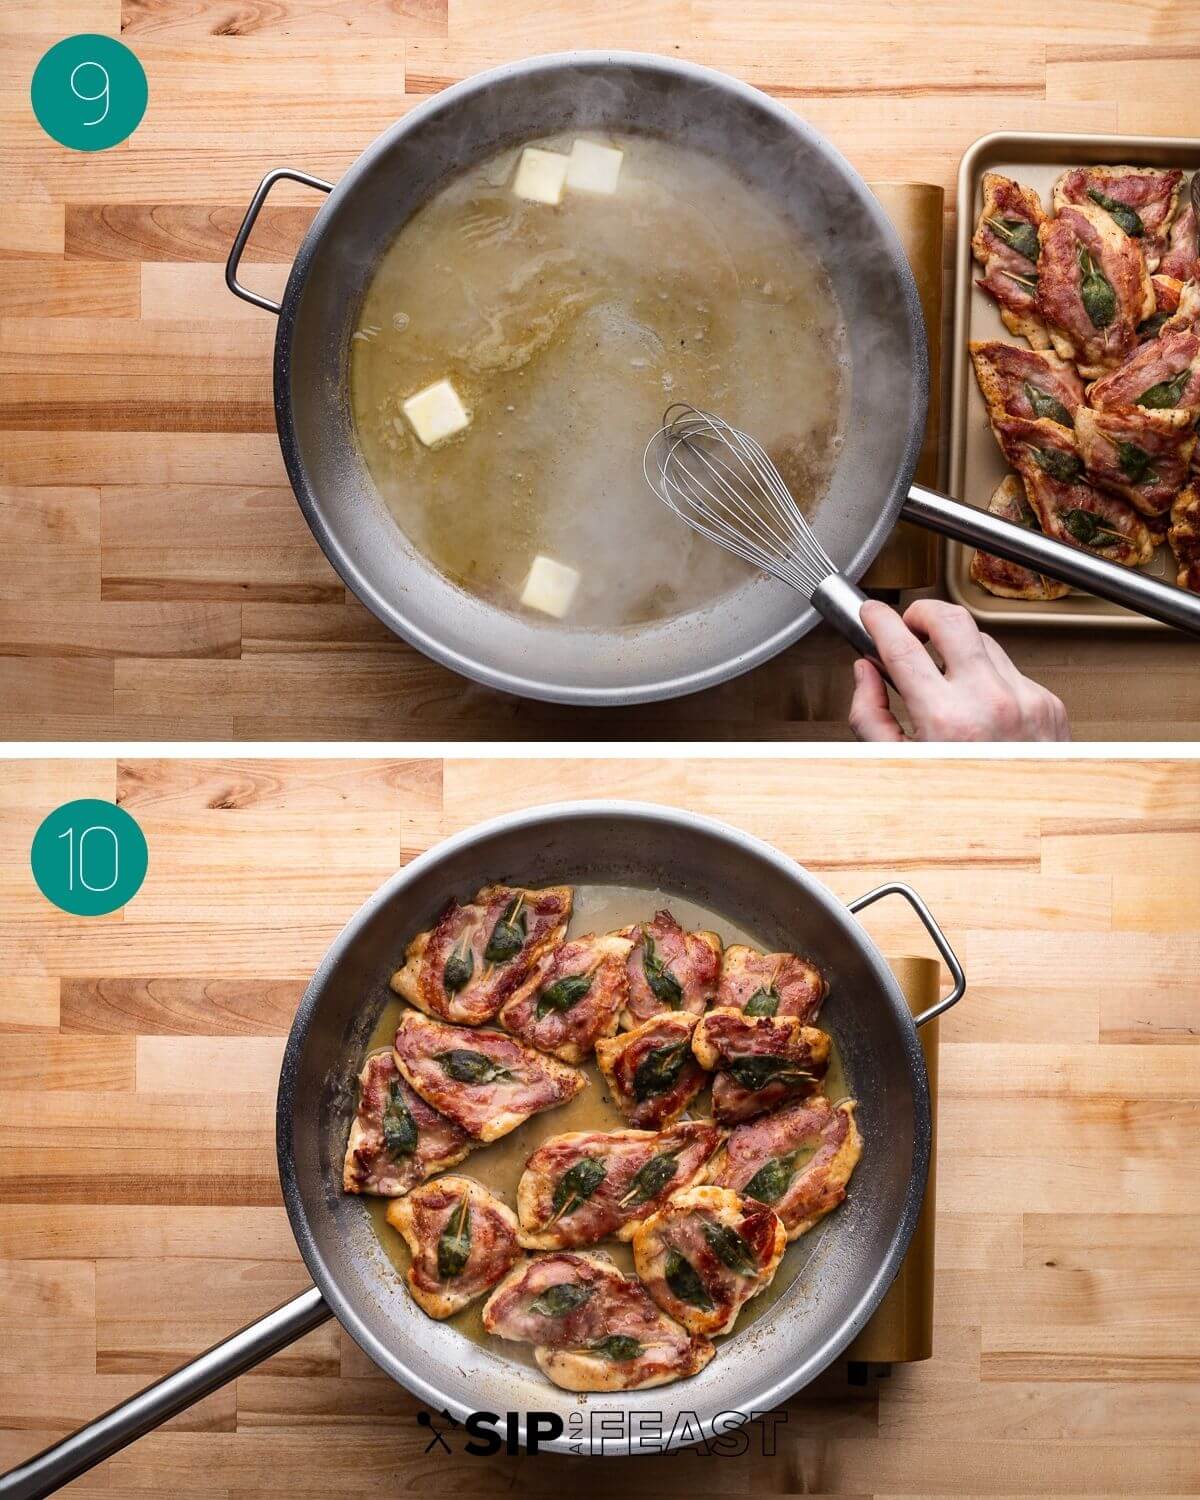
(139, 1209)
(161, 582)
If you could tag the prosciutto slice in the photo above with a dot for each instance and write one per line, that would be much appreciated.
(770, 984)
(396, 1139)
(1141, 200)
(486, 1081)
(476, 956)
(574, 997)
(593, 1328)
(463, 1241)
(669, 969)
(1093, 288)
(651, 1072)
(1026, 382)
(1181, 259)
(761, 1061)
(580, 1187)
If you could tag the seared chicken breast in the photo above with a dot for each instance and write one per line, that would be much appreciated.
(396, 1139)
(1006, 244)
(1026, 382)
(574, 996)
(669, 969)
(770, 984)
(651, 1072)
(761, 1062)
(1162, 375)
(593, 1328)
(580, 1187)
(1184, 537)
(1093, 289)
(1012, 580)
(797, 1160)
(1141, 200)
(477, 956)
(705, 1253)
(1185, 316)
(1140, 454)
(486, 1081)
(463, 1241)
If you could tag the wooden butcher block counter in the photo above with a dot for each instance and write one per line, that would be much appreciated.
(159, 581)
(140, 1217)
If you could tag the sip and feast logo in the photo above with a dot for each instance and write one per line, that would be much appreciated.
(485, 1433)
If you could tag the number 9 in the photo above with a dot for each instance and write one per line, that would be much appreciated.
(92, 98)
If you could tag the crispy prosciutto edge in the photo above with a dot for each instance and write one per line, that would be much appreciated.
(442, 1299)
(567, 1081)
(757, 1224)
(1012, 580)
(606, 958)
(379, 1071)
(658, 1110)
(421, 980)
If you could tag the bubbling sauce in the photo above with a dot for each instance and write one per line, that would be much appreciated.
(566, 331)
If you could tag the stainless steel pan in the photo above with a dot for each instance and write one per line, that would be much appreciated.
(606, 842)
(832, 209)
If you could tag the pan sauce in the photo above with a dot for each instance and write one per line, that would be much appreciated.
(498, 1166)
(566, 330)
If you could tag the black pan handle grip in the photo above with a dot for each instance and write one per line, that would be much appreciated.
(940, 941)
(243, 234)
(63, 1461)
(1074, 565)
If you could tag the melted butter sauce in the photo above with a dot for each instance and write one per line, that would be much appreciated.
(498, 1166)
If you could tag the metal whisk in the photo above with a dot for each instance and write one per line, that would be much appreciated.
(723, 483)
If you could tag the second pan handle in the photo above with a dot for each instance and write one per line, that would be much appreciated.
(1074, 565)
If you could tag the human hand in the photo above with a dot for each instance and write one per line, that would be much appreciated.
(977, 695)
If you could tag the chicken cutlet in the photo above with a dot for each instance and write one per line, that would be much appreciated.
(669, 969)
(486, 1081)
(574, 997)
(1140, 454)
(797, 1160)
(1184, 537)
(1093, 288)
(1141, 200)
(463, 1241)
(396, 1139)
(1005, 243)
(705, 1253)
(476, 956)
(1162, 374)
(593, 1328)
(651, 1072)
(1026, 382)
(1068, 508)
(770, 984)
(1010, 580)
(760, 1061)
(580, 1187)
(1182, 260)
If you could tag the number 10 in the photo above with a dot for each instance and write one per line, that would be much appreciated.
(91, 98)
(76, 858)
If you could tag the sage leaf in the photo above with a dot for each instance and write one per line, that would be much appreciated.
(730, 1248)
(563, 994)
(1087, 528)
(1018, 234)
(508, 935)
(619, 1347)
(763, 1002)
(1149, 327)
(659, 1070)
(771, 1180)
(684, 1280)
(1167, 393)
(577, 1184)
(761, 1068)
(1095, 291)
(459, 968)
(1129, 220)
(1043, 404)
(652, 1177)
(1059, 464)
(465, 1066)
(1134, 461)
(560, 1299)
(399, 1128)
(454, 1246)
(665, 988)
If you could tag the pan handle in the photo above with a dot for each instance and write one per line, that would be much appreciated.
(63, 1461)
(941, 942)
(1074, 565)
(243, 234)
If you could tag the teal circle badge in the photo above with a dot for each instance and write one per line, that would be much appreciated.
(89, 92)
(89, 857)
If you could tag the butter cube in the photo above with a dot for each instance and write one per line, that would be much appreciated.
(592, 168)
(540, 175)
(550, 587)
(436, 412)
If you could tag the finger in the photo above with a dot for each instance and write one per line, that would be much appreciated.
(1002, 662)
(909, 665)
(871, 718)
(951, 631)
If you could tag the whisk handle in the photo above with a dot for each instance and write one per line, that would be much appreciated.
(840, 603)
